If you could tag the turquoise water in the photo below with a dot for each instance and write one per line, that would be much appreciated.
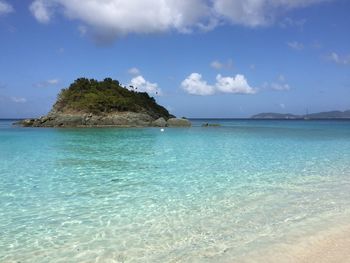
(182, 195)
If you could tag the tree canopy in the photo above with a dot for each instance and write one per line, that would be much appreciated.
(99, 97)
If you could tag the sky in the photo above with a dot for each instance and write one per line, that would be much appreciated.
(199, 58)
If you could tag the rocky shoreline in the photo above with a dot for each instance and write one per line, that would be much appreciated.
(117, 119)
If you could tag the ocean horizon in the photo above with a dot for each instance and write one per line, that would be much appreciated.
(200, 194)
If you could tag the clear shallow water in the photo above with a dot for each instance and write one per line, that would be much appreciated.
(184, 195)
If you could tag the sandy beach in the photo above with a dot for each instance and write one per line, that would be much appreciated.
(330, 246)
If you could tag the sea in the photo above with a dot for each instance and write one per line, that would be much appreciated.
(202, 194)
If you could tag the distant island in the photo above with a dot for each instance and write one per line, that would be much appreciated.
(312, 116)
(92, 103)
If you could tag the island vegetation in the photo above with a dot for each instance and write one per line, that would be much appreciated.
(91, 103)
(99, 97)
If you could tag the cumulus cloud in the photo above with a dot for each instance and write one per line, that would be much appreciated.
(295, 45)
(134, 71)
(339, 59)
(18, 99)
(236, 85)
(195, 85)
(140, 84)
(221, 65)
(114, 18)
(5, 8)
(47, 83)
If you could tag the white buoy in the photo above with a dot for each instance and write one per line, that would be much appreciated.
(161, 130)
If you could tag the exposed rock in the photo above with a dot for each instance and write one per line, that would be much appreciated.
(160, 122)
(118, 119)
(211, 124)
(175, 122)
(27, 122)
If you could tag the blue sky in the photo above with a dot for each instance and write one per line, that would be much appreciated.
(206, 58)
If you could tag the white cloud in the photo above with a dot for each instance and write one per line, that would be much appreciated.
(195, 85)
(338, 59)
(53, 81)
(114, 18)
(18, 99)
(41, 9)
(5, 8)
(47, 83)
(140, 84)
(279, 85)
(216, 64)
(295, 45)
(237, 85)
(220, 65)
(257, 12)
(134, 71)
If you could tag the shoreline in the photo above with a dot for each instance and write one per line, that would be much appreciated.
(326, 246)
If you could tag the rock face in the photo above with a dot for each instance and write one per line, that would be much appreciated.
(160, 122)
(175, 122)
(121, 119)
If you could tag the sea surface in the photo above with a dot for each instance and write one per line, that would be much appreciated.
(200, 194)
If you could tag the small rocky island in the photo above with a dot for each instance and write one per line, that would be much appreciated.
(92, 103)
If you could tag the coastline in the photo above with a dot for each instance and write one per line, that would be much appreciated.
(325, 246)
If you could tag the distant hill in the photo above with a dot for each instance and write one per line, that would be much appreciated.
(330, 115)
(319, 115)
(271, 115)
